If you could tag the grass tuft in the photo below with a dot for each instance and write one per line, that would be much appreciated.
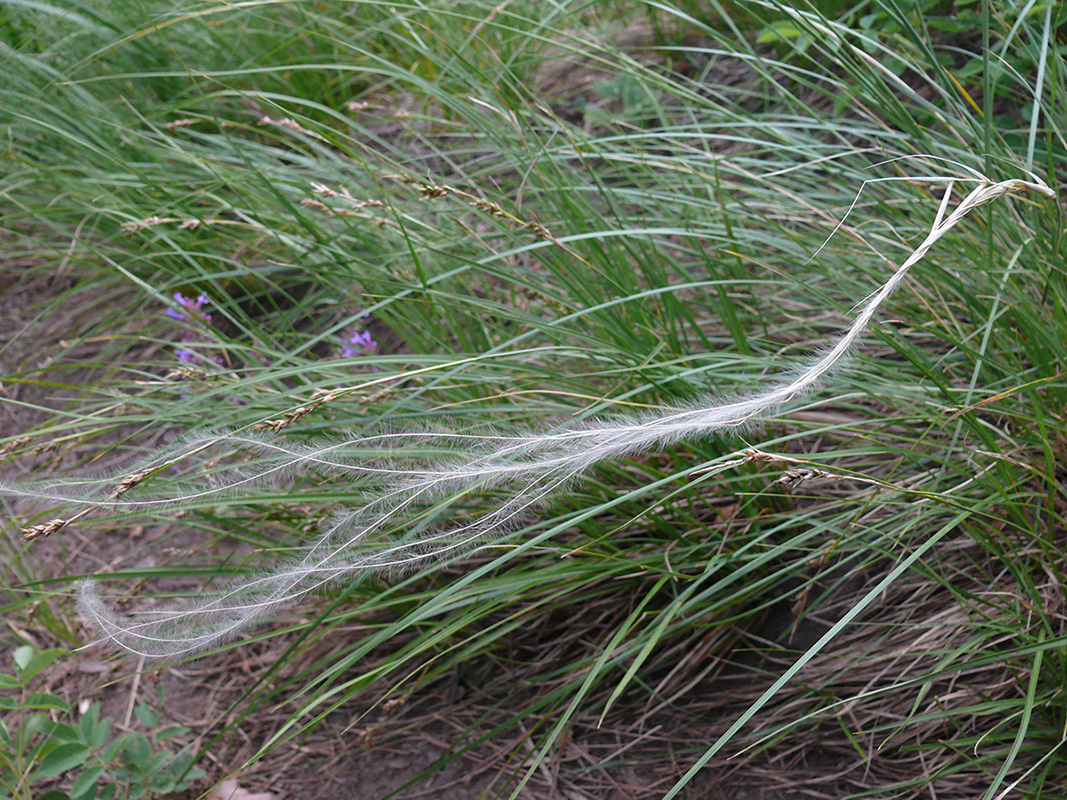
(444, 262)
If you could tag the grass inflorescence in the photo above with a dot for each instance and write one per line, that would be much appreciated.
(535, 319)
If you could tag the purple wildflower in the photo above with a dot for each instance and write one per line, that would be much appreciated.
(195, 320)
(356, 340)
(186, 309)
(190, 312)
(359, 343)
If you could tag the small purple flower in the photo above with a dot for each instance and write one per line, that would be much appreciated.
(357, 340)
(194, 331)
(194, 319)
(359, 343)
(186, 309)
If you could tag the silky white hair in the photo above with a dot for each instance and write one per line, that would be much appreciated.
(395, 529)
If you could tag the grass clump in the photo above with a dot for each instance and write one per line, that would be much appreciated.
(395, 224)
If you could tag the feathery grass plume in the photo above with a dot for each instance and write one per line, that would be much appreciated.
(396, 529)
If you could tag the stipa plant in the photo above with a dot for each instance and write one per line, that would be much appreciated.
(575, 253)
(397, 528)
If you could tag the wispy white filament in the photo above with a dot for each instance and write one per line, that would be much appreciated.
(396, 528)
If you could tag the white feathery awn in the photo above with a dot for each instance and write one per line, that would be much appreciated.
(394, 530)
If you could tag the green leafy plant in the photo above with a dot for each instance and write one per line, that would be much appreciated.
(37, 748)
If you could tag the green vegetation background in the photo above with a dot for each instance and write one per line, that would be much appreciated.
(328, 217)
